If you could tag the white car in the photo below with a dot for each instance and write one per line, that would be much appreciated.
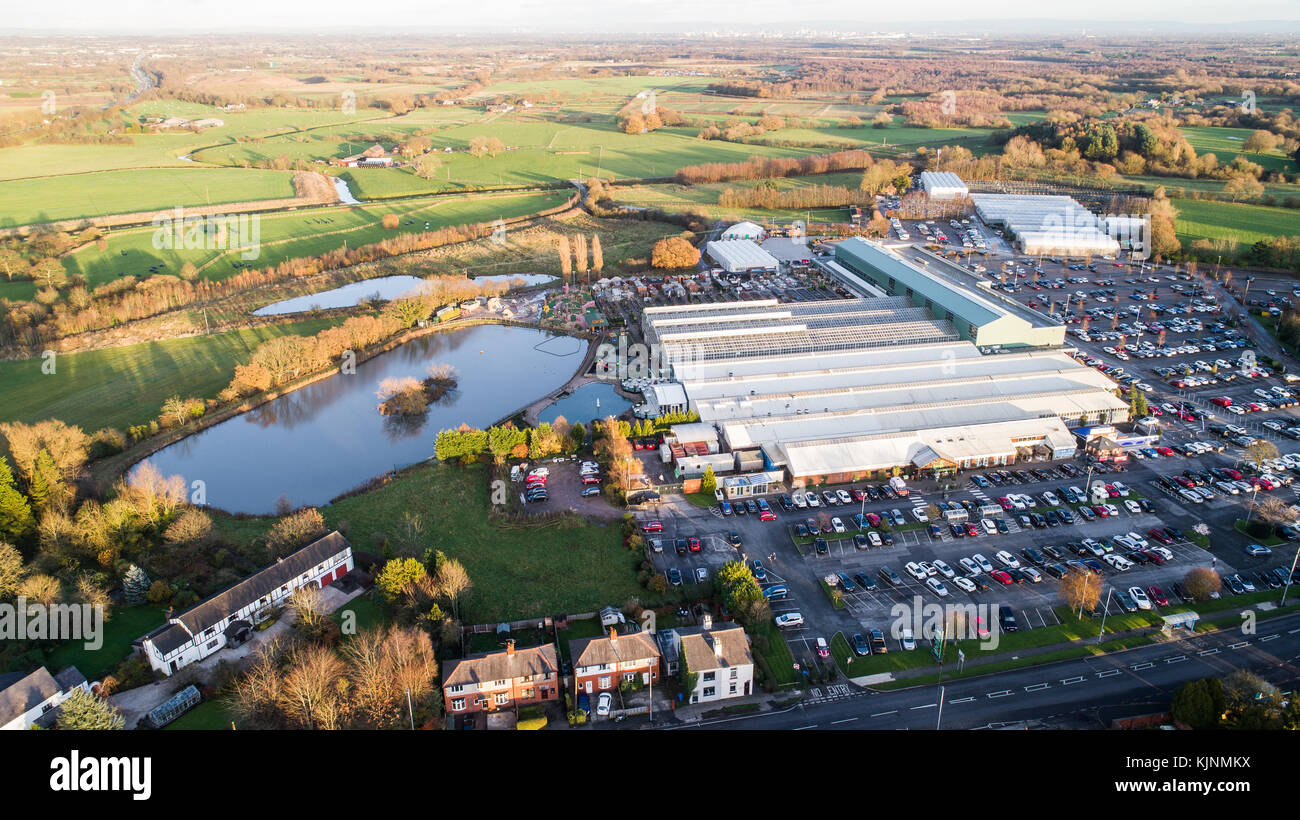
(1132, 506)
(1118, 562)
(1120, 488)
(989, 527)
(964, 584)
(944, 570)
(1007, 559)
(920, 516)
(1188, 495)
(914, 569)
(812, 499)
(1163, 552)
(789, 619)
(929, 569)
(905, 638)
(936, 586)
(1032, 574)
(969, 567)
(1113, 510)
(603, 703)
(837, 525)
(844, 497)
(1139, 597)
(1137, 539)
(982, 562)
(800, 501)
(874, 538)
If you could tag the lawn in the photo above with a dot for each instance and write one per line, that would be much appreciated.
(1202, 219)
(126, 624)
(44, 199)
(517, 573)
(121, 386)
(777, 654)
(362, 612)
(1225, 143)
(210, 715)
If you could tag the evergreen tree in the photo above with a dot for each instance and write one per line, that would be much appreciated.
(44, 477)
(709, 482)
(16, 520)
(83, 710)
(135, 585)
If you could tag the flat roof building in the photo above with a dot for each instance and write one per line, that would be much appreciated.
(1045, 224)
(943, 185)
(741, 256)
(977, 312)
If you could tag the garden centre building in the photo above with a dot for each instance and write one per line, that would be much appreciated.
(853, 388)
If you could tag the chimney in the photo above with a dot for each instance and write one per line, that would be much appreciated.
(706, 622)
(613, 634)
(717, 646)
(510, 647)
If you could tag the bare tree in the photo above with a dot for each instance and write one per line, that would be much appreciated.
(454, 582)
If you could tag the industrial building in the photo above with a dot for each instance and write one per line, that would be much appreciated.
(741, 256)
(943, 185)
(744, 230)
(976, 311)
(825, 392)
(1042, 224)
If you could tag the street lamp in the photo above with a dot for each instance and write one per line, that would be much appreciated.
(1104, 613)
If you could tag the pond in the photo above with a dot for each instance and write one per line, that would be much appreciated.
(591, 401)
(327, 438)
(386, 288)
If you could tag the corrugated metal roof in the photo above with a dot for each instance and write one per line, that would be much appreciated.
(740, 254)
(859, 253)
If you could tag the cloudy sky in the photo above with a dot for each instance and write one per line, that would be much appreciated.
(615, 15)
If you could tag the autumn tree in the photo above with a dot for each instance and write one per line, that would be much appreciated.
(597, 255)
(1259, 451)
(1081, 590)
(295, 530)
(674, 253)
(566, 257)
(580, 253)
(1201, 583)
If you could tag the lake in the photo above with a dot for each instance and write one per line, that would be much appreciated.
(591, 401)
(386, 288)
(327, 438)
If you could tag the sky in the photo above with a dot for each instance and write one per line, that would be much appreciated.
(198, 16)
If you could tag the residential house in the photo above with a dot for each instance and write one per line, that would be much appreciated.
(491, 681)
(30, 698)
(601, 664)
(229, 616)
(720, 658)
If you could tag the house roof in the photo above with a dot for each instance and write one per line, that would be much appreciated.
(213, 610)
(620, 649)
(25, 692)
(718, 648)
(502, 665)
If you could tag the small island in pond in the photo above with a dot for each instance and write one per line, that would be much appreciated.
(409, 396)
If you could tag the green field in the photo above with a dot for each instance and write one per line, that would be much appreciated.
(1225, 143)
(288, 235)
(1202, 219)
(121, 386)
(45, 199)
(672, 197)
(517, 573)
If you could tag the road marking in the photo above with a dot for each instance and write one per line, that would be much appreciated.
(1001, 694)
(1292, 631)
(844, 720)
(1238, 645)
(926, 706)
(801, 728)
(882, 714)
(1107, 673)
(1176, 659)
(1213, 651)
(961, 700)
(1269, 637)
(1037, 687)
(1141, 666)
(1070, 681)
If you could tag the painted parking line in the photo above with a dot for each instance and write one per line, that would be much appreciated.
(961, 700)
(1072, 681)
(1269, 637)
(1107, 673)
(1213, 651)
(1176, 659)
(885, 714)
(925, 706)
(1238, 645)
(843, 720)
(1001, 694)
(1037, 687)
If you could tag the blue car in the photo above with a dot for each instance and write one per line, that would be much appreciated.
(726, 508)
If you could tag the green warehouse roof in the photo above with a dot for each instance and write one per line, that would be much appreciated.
(859, 254)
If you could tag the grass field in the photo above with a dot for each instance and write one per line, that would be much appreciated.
(121, 386)
(46, 199)
(289, 236)
(672, 197)
(1202, 219)
(517, 573)
(126, 624)
(1225, 143)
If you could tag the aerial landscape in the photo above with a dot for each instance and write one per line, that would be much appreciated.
(652, 373)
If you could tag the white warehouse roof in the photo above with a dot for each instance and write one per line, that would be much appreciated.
(943, 185)
(1046, 224)
(744, 230)
(736, 255)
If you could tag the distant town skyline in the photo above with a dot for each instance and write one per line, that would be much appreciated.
(629, 16)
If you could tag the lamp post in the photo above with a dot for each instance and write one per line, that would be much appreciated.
(1287, 586)
(1104, 613)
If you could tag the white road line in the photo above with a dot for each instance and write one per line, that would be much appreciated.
(1037, 687)
(961, 700)
(1213, 651)
(1001, 694)
(1071, 681)
(1176, 659)
(1269, 637)
(882, 714)
(1140, 666)
(801, 728)
(926, 706)
(1107, 673)
(1238, 644)
(844, 720)
(1292, 631)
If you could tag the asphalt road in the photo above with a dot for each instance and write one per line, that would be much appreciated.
(1062, 693)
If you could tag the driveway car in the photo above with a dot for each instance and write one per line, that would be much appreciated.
(789, 619)
(603, 703)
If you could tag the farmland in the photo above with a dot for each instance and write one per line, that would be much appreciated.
(1225, 143)
(1199, 219)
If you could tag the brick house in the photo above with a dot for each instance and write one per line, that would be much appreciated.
(490, 681)
(601, 664)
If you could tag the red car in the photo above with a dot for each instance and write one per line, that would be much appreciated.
(1222, 401)
(1164, 451)
(1153, 556)
(857, 494)
(1155, 411)
(1111, 491)
(1005, 502)
(652, 526)
(1157, 596)
(1160, 536)
(693, 544)
(972, 530)
(873, 519)
(767, 515)
(1101, 511)
(591, 479)
(1001, 577)
(1235, 475)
